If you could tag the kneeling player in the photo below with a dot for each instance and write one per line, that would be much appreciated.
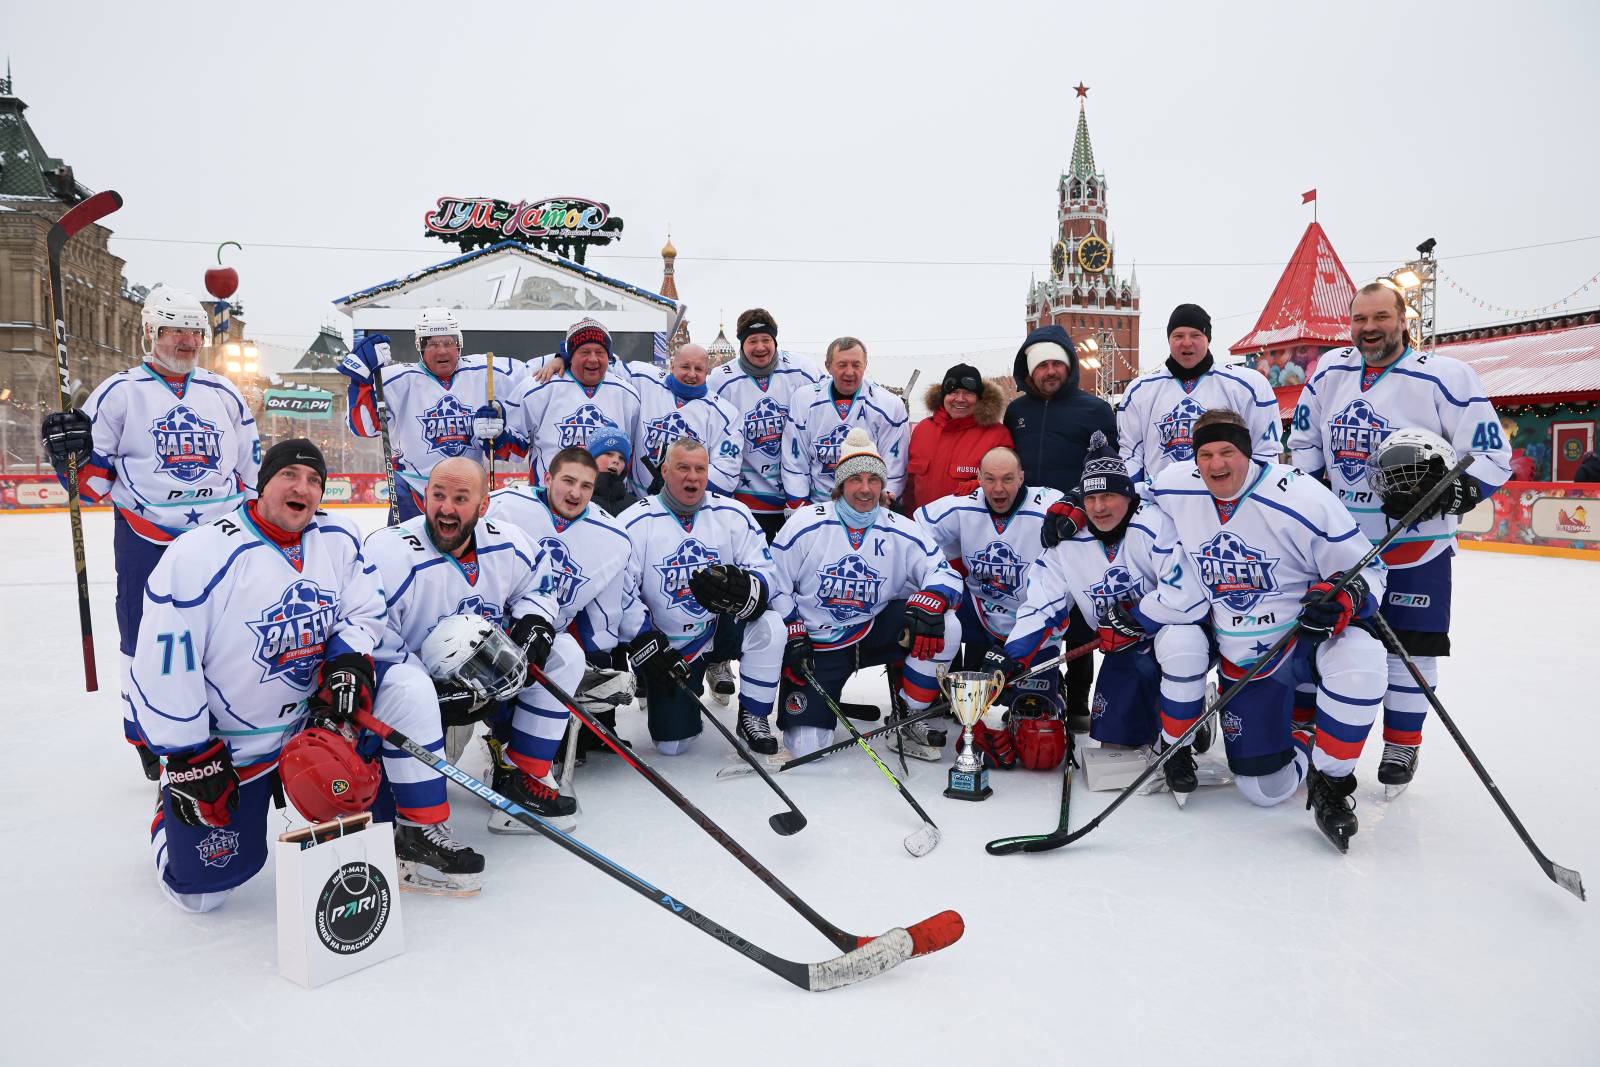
(1259, 545)
(701, 579)
(450, 561)
(1123, 549)
(854, 580)
(253, 624)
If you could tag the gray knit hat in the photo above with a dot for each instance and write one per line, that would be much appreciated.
(858, 455)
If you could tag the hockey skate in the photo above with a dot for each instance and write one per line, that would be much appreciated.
(540, 796)
(1181, 775)
(430, 860)
(1330, 799)
(720, 677)
(756, 733)
(1397, 768)
(914, 742)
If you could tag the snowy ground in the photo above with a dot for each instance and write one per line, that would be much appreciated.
(1222, 934)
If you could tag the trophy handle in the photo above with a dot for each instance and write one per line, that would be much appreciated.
(944, 685)
(997, 683)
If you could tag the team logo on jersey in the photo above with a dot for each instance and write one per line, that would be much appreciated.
(218, 848)
(1099, 705)
(1353, 436)
(848, 588)
(1232, 725)
(763, 426)
(998, 568)
(187, 446)
(827, 446)
(659, 433)
(476, 605)
(1238, 575)
(581, 424)
(1176, 428)
(569, 576)
(676, 570)
(1115, 587)
(292, 634)
(447, 426)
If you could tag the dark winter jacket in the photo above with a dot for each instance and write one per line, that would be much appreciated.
(611, 492)
(1052, 435)
(1588, 469)
(944, 454)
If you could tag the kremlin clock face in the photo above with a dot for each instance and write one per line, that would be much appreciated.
(1094, 255)
(1058, 260)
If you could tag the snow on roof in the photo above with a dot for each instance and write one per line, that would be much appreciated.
(1311, 303)
(1534, 364)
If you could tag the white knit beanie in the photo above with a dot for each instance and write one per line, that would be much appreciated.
(1044, 351)
(858, 455)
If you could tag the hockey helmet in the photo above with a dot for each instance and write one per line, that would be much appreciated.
(1401, 464)
(438, 322)
(325, 777)
(472, 651)
(175, 308)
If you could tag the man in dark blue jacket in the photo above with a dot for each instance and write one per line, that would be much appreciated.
(1051, 421)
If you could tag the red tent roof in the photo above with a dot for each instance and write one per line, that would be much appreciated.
(1553, 364)
(1311, 304)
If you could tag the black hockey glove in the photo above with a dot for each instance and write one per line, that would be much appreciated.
(535, 636)
(1120, 628)
(996, 660)
(655, 476)
(651, 654)
(67, 435)
(461, 704)
(799, 658)
(1462, 495)
(1062, 520)
(1321, 619)
(202, 784)
(345, 686)
(724, 589)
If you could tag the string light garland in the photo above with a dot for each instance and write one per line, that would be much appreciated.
(1517, 313)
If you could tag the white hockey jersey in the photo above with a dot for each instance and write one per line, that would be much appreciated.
(503, 578)
(1155, 421)
(1092, 575)
(1345, 412)
(236, 629)
(837, 583)
(663, 418)
(763, 407)
(818, 424)
(666, 552)
(1249, 571)
(994, 552)
(172, 456)
(430, 418)
(589, 556)
(563, 413)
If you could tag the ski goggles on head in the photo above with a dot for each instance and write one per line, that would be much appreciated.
(970, 382)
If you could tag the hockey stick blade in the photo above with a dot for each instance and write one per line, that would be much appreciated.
(787, 823)
(85, 213)
(870, 960)
(923, 841)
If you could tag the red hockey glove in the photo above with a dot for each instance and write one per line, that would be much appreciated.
(1320, 621)
(344, 687)
(924, 632)
(798, 655)
(202, 784)
(1120, 629)
(1062, 521)
(994, 744)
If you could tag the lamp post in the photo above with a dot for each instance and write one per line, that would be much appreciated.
(1101, 348)
(1417, 284)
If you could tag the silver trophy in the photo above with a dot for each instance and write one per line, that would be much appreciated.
(970, 694)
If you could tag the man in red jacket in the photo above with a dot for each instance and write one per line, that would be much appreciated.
(946, 447)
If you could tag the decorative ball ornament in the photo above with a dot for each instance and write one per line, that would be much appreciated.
(222, 282)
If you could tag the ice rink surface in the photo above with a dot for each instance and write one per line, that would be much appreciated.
(1221, 934)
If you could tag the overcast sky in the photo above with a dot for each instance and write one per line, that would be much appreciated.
(931, 133)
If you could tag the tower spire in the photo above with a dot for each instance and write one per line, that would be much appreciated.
(1082, 151)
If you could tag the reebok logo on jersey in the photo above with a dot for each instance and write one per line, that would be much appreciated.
(569, 576)
(577, 427)
(1353, 436)
(827, 447)
(1116, 587)
(660, 433)
(1236, 574)
(763, 426)
(187, 446)
(447, 426)
(676, 570)
(848, 588)
(1176, 429)
(998, 568)
(292, 635)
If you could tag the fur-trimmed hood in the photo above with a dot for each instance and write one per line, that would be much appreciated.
(987, 412)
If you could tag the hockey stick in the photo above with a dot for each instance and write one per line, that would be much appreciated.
(569, 762)
(490, 449)
(1564, 877)
(1417, 511)
(784, 822)
(71, 221)
(866, 960)
(388, 449)
(929, 935)
(920, 842)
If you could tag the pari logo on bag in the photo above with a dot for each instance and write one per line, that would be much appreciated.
(292, 634)
(676, 570)
(578, 427)
(353, 907)
(763, 426)
(1176, 428)
(1237, 574)
(1353, 436)
(187, 446)
(447, 426)
(848, 588)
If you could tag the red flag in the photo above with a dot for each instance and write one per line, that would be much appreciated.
(1308, 196)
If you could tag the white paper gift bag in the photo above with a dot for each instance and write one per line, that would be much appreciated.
(338, 899)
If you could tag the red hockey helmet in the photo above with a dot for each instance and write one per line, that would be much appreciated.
(324, 776)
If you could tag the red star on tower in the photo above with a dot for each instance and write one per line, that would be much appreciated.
(1082, 90)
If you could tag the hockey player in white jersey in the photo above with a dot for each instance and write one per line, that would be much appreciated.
(1155, 421)
(760, 385)
(1122, 550)
(254, 624)
(860, 586)
(438, 407)
(702, 580)
(821, 415)
(589, 396)
(1358, 397)
(172, 445)
(680, 405)
(451, 561)
(1259, 544)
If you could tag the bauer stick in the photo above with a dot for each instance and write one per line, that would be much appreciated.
(784, 822)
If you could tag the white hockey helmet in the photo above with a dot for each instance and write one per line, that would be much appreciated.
(166, 306)
(1401, 463)
(473, 651)
(438, 322)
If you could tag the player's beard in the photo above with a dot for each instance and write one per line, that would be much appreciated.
(1386, 351)
(175, 364)
(460, 535)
